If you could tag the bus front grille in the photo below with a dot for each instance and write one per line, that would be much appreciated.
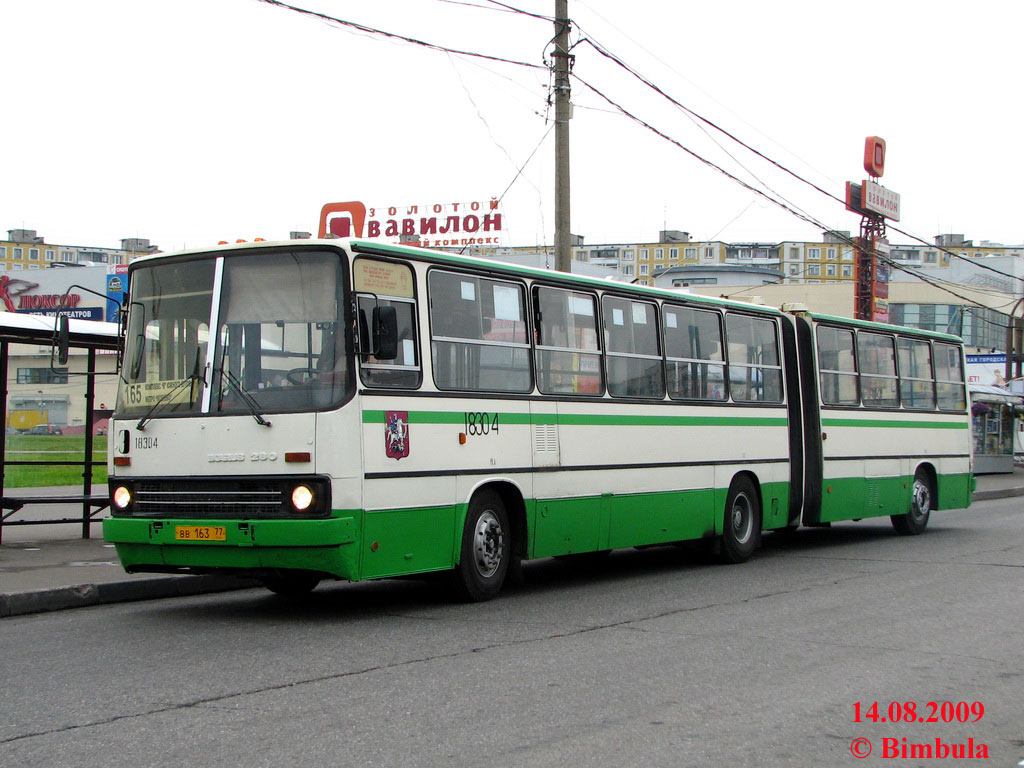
(221, 498)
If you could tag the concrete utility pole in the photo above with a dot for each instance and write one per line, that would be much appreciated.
(563, 113)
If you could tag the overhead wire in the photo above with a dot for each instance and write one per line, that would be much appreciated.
(395, 36)
(805, 217)
(776, 200)
(600, 49)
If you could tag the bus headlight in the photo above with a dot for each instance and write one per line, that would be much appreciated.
(121, 497)
(302, 498)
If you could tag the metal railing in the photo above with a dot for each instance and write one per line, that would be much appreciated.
(91, 504)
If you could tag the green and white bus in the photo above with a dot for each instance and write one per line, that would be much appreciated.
(344, 409)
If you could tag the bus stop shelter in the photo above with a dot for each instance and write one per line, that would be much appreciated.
(993, 421)
(40, 331)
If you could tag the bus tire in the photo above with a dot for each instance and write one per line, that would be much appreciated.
(741, 528)
(291, 583)
(922, 499)
(486, 549)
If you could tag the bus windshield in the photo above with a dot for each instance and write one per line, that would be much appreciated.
(279, 344)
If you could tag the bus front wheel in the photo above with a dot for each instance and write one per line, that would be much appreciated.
(922, 500)
(742, 525)
(486, 549)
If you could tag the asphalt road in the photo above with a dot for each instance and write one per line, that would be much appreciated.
(659, 659)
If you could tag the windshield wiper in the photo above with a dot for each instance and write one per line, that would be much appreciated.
(246, 397)
(192, 378)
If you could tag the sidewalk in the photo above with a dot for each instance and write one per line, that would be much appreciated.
(50, 567)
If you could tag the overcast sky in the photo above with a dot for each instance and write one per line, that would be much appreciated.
(193, 121)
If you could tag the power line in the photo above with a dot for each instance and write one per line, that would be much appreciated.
(396, 36)
(784, 206)
(779, 200)
(600, 49)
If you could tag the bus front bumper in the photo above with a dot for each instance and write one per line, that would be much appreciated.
(235, 545)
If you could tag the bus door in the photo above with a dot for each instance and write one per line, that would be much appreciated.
(811, 415)
(795, 409)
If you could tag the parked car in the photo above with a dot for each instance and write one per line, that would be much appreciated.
(45, 429)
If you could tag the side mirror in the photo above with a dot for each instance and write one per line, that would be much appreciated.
(63, 339)
(385, 333)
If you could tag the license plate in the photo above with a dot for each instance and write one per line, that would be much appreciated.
(200, 533)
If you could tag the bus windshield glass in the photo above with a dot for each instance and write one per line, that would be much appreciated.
(279, 344)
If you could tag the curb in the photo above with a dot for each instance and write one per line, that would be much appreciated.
(1001, 493)
(84, 595)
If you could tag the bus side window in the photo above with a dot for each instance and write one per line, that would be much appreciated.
(949, 378)
(568, 355)
(877, 357)
(633, 358)
(917, 382)
(755, 371)
(837, 366)
(478, 333)
(387, 284)
(404, 371)
(694, 350)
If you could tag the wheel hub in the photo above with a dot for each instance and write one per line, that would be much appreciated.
(488, 541)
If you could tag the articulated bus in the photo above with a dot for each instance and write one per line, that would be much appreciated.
(343, 409)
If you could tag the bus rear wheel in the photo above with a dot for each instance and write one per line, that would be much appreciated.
(741, 531)
(922, 499)
(486, 549)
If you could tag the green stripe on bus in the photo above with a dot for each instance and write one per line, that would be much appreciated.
(586, 419)
(895, 424)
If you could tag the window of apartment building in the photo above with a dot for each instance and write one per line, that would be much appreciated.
(15, 266)
(690, 253)
(814, 253)
(673, 253)
(847, 254)
(709, 253)
(42, 375)
(630, 255)
(643, 269)
(794, 269)
(3, 251)
(930, 257)
(67, 256)
(659, 253)
(794, 253)
(830, 270)
(16, 252)
(847, 270)
(117, 260)
(832, 253)
(628, 269)
(644, 254)
(814, 270)
(51, 255)
(33, 254)
(580, 256)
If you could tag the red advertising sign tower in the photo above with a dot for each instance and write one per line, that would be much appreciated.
(875, 204)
